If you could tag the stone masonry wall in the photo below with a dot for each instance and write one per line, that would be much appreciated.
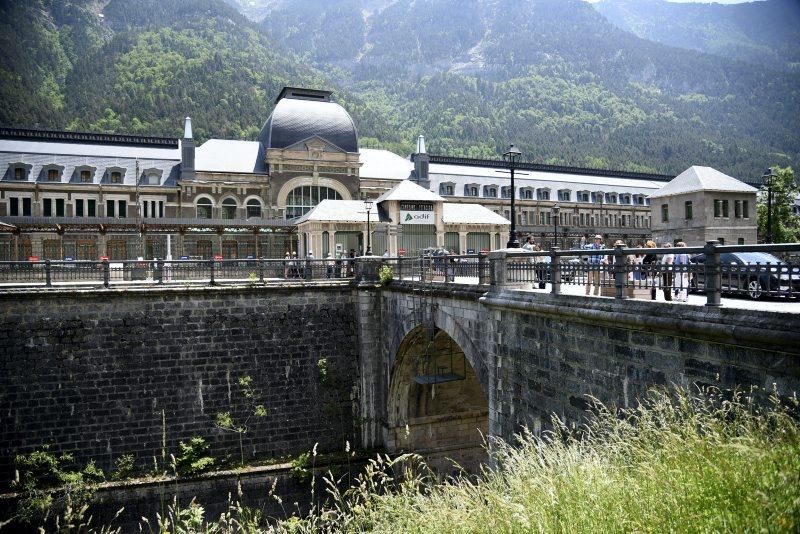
(102, 373)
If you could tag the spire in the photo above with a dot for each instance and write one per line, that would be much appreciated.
(421, 145)
(187, 128)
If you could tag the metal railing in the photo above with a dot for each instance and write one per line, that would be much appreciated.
(623, 272)
(449, 269)
(106, 273)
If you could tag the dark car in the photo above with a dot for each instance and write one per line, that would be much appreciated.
(755, 274)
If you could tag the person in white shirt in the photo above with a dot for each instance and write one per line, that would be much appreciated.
(681, 263)
(667, 261)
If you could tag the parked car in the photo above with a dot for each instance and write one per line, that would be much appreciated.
(755, 274)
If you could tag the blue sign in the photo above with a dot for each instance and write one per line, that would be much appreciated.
(69, 258)
(184, 257)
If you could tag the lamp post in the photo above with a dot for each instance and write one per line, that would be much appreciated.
(556, 208)
(368, 207)
(511, 158)
(769, 174)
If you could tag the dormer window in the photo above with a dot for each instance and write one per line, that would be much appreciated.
(564, 195)
(20, 173)
(611, 198)
(583, 196)
(505, 192)
(471, 190)
(490, 191)
(86, 177)
(116, 177)
(446, 188)
(151, 176)
(598, 197)
(624, 198)
(53, 175)
(542, 194)
(526, 193)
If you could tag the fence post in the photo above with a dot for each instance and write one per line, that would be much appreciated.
(482, 278)
(47, 280)
(211, 280)
(160, 271)
(399, 267)
(497, 268)
(713, 274)
(620, 273)
(555, 271)
(106, 274)
(308, 274)
(261, 270)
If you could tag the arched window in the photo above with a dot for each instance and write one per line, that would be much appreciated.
(228, 208)
(302, 199)
(253, 208)
(204, 207)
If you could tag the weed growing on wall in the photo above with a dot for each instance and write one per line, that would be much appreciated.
(385, 274)
(192, 457)
(246, 408)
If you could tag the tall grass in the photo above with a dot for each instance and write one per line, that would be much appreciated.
(712, 462)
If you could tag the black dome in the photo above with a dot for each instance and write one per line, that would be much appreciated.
(295, 119)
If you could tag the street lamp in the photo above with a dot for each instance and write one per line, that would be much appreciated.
(511, 158)
(368, 207)
(556, 208)
(769, 174)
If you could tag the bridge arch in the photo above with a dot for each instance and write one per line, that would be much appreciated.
(437, 403)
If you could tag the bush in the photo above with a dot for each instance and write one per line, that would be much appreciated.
(385, 274)
(192, 459)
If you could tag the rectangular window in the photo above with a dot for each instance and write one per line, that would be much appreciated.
(725, 213)
(688, 208)
(717, 208)
(122, 208)
(116, 177)
(19, 173)
(13, 207)
(745, 209)
(741, 241)
(52, 175)
(91, 208)
(26, 207)
(737, 209)
(664, 212)
(47, 208)
(79, 207)
(109, 208)
(59, 207)
(86, 177)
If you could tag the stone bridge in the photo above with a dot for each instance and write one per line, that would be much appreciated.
(430, 368)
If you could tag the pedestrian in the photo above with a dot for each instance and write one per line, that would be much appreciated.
(584, 240)
(528, 244)
(650, 274)
(330, 265)
(386, 253)
(667, 261)
(681, 274)
(351, 262)
(286, 262)
(541, 267)
(293, 267)
(595, 262)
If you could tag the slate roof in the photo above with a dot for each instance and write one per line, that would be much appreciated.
(294, 120)
(340, 211)
(457, 213)
(384, 164)
(222, 155)
(408, 190)
(699, 178)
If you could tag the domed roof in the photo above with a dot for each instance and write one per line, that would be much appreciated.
(302, 113)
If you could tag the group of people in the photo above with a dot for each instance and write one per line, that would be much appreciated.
(337, 267)
(672, 277)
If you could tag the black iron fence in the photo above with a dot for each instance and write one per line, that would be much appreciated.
(754, 271)
(158, 272)
(448, 269)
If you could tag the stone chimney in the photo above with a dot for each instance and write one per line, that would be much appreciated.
(187, 151)
(421, 164)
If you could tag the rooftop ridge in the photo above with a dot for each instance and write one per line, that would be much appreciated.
(87, 137)
(541, 167)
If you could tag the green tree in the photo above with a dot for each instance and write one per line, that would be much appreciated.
(785, 224)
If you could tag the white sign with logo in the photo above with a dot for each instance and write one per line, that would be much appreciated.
(416, 217)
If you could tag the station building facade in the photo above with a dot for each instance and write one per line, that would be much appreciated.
(68, 195)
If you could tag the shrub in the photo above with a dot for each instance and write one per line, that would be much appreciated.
(192, 459)
(385, 274)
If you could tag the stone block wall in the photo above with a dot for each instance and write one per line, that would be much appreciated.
(103, 373)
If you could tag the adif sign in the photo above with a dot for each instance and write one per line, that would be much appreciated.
(416, 217)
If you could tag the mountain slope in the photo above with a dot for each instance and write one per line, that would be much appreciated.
(553, 76)
(761, 33)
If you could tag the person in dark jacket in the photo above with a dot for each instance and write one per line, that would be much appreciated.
(650, 275)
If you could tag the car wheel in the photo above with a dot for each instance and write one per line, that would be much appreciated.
(754, 289)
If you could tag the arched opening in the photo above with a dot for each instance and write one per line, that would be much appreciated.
(437, 407)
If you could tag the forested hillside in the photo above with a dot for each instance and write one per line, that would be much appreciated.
(763, 33)
(553, 76)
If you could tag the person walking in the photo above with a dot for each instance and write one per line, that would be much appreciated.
(650, 274)
(330, 265)
(681, 273)
(667, 261)
(595, 261)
